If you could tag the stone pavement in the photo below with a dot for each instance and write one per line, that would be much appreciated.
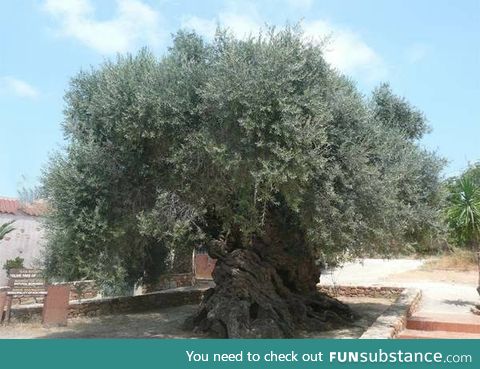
(368, 272)
(445, 309)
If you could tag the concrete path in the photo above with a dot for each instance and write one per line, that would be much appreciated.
(368, 272)
(437, 296)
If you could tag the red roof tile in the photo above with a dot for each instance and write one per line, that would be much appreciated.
(9, 206)
(14, 206)
(36, 208)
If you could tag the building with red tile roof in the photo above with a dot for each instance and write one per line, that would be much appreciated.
(26, 241)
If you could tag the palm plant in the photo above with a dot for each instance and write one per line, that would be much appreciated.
(5, 229)
(463, 215)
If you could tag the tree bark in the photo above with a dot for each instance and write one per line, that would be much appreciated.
(266, 289)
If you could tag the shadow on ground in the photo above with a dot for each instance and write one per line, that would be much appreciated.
(367, 310)
(458, 302)
(167, 323)
(164, 323)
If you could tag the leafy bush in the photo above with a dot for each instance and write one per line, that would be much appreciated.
(463, 211)
(16, 263)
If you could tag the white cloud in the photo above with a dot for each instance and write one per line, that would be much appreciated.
(416, 52)
(345, 50)
(17, 87)
(241, 25)
(300, 4)
(204, 27)
(241, 22)
(133, 24)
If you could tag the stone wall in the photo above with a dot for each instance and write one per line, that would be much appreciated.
(116, 305)
(394, 319)
(82, 290)
(79, 290)
(361, 291)
(391, 321)
(167, 281)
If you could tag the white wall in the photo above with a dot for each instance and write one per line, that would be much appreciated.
(25, 241)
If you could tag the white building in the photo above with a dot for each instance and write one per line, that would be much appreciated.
(26, 241)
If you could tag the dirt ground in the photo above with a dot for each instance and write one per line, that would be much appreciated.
(163, 323)
(167, 323)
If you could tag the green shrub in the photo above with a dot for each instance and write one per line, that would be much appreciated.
(16, 263)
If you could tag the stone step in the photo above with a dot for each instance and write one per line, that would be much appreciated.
(468, 323)
(416, 334)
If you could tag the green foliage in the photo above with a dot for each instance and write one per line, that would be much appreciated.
(6, 228)
(16, 263)
(396, 113)
(165, 154)
(463, 209)
(473, 172)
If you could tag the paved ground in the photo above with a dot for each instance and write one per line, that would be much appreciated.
(443, 291)
(369, 272)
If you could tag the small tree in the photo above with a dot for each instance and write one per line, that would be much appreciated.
(6, 228)
(463, 214)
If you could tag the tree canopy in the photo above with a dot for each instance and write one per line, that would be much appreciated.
(199, 146)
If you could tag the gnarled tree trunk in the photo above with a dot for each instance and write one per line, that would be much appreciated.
(266, 289)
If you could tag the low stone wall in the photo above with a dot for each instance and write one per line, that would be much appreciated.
(81, 290)
(394, 319)
(26, 314)
(27, 300)
(116, 305)
(168, 281)
(360, 291)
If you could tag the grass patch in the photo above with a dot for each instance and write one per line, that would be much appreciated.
(456, 259)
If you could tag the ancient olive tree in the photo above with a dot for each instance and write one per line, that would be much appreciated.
(257, 149)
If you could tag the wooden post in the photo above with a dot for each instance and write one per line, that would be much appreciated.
(3, 301)
(55, 306)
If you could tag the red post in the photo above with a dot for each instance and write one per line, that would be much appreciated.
(3, 301)
(55, 306)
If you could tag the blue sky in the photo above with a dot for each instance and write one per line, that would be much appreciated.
(429, 51)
